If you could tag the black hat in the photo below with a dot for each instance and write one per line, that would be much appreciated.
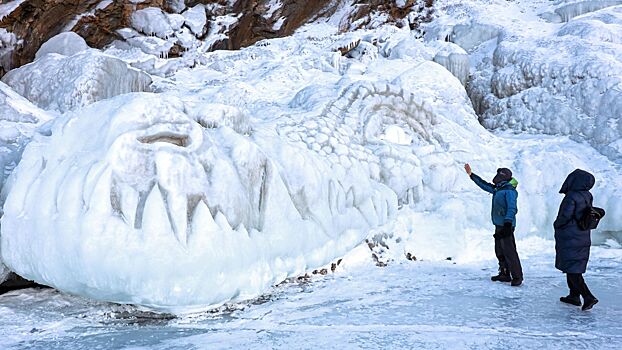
(503, 174)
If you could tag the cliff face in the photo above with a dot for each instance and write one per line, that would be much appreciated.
(26, 24)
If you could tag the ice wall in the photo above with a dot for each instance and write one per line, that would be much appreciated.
(566, 83)
(19, 121)
(574, 9)
(62, 83)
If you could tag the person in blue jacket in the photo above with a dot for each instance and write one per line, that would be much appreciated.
(503, 213)
(572, 244)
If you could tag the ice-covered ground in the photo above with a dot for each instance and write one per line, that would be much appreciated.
(422, 304)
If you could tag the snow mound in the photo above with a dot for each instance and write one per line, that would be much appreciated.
(62, 83)
(66, 44)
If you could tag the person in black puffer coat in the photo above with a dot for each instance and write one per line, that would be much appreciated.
(572, 245)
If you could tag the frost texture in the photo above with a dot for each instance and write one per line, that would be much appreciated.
(19, 120)
(569, 83)
(62, 83)
(152, 21)
(578, 8)
(66, 44)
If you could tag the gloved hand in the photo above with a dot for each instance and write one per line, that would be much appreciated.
(507, 229)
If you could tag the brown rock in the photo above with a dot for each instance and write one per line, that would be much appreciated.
(35, 21)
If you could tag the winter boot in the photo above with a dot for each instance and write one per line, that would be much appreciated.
(516, 282)
(570, 299)
(503, 276)
(589, 303)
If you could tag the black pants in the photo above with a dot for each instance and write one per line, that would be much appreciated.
(505, 249)
(577, 286)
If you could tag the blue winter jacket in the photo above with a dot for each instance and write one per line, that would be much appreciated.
(504, 200)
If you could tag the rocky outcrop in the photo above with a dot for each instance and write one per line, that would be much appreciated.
(230, 24)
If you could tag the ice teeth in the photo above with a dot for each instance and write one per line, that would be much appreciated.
(178, 215)
(412, 197)
(341, 201)
(350, 198)
(221, 221)
(202, 220)
(242, 230)
(100, 199)
(129, 202)
(368, 211)
(380, 207)
(155, 217)
(332, 197)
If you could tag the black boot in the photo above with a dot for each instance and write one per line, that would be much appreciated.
(503, 276)
(570, 299)
(516, 282)
(589, 303)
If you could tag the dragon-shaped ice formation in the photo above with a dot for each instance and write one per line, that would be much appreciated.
(206, 200)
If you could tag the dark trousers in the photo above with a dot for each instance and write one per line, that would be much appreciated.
(505, 249)
(577, 286)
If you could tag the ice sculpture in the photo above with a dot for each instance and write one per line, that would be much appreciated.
(155, 206)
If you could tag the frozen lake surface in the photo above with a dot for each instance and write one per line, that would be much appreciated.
(423, 304)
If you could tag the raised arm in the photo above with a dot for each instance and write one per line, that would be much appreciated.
(488, 187)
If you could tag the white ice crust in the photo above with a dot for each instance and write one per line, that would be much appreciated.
(66, 44)
(263, 163)
(19, 121)
(62, 83)
(556, 79)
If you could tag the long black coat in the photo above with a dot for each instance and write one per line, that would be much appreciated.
(572, 245)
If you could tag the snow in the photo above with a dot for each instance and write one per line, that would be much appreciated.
(8, 43)
(66, 44)
(62, 83)
(196, 19)
(9, 6)
(245, 168)
(530, 73)
(422, 304)
(152, 21)
(19, 120)
(578, 8)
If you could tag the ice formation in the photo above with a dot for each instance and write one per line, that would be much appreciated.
(62, 83)
(575, 8)
(19, 121)
(66, 44)
(525, 80)
(260, 164)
